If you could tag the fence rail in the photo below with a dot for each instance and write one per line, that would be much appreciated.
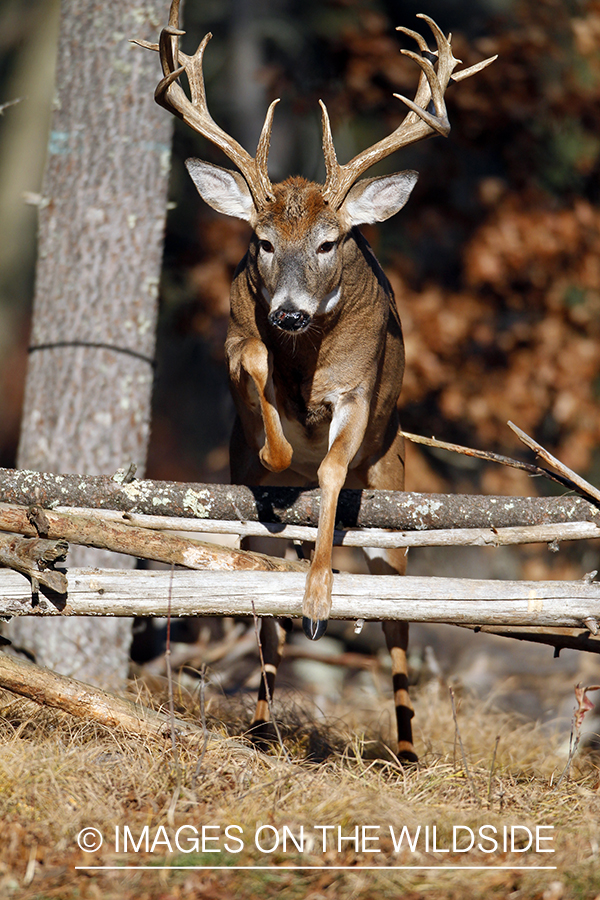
(461, 601)
(398, 510)
(139, 518)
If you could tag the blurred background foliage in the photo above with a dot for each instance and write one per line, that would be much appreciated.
(495, 261)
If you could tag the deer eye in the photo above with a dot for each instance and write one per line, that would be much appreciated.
(266, 246)
(326, 247)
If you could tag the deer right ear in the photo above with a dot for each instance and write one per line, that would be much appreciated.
(224, 190)
(376, 199)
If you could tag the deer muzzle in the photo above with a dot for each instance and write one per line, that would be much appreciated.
(289, 318)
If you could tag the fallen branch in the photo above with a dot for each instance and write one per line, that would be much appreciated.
(559, 638)
(290, 506)
(487, 456)
(564, 476)
(115, 592)
(144, 543)
(579, 484)
(363, 537)
(86, 702)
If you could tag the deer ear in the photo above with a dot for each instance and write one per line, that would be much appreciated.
(376, 199)
(224, 190)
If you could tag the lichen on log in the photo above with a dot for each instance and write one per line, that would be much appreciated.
(290, 506)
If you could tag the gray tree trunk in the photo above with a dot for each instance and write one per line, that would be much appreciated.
(88, 391)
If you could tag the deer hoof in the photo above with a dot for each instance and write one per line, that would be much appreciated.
(314, 628)
(263, 735)
(407, 755)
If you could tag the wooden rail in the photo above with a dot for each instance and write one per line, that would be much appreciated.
(139, 518)
(462, 601)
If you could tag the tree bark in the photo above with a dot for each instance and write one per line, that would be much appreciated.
(87, 400)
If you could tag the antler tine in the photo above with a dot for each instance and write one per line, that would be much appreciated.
(439, 122)
(422, 96)
(194, 69)
(447, 62)
(194, 111)
(472, 70)
(332, 167)
(174, 13)
(423, 46)
(147, 45)
(263, 146)
(450, 60)
(436, 73)
(168, 49)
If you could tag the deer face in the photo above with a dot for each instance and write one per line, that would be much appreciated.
(297, 246)
(297, 253)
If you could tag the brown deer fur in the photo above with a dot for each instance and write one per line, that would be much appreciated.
(314, 346)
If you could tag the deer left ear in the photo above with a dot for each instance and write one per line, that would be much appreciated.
(224, 190)
(376, 199)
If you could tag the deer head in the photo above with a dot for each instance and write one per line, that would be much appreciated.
(297, 246)
(300, 227)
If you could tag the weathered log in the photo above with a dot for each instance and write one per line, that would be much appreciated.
(139, 542)
(293, 506)
(464, 601)
(357, 537)
(45, 687)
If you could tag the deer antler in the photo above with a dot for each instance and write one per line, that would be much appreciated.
(436, 73)
(194, 111)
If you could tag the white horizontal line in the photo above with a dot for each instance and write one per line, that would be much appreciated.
(324, 868)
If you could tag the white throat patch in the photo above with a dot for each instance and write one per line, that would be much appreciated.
(330, 300)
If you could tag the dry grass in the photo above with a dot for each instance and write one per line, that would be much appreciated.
(58, 777)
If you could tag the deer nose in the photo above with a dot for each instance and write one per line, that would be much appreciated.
(289, 319)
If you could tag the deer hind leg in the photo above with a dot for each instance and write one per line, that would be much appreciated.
(390, 562)
(272, 639)
(388, 474)
(396, 636)
(247, 467)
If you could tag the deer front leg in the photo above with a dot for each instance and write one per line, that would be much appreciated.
(251, 360)
(346, 434)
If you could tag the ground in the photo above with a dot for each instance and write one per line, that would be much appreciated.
(187, 819)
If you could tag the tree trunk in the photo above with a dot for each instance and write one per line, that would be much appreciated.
(88, 391)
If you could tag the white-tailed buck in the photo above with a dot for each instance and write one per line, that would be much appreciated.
(314, 346)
